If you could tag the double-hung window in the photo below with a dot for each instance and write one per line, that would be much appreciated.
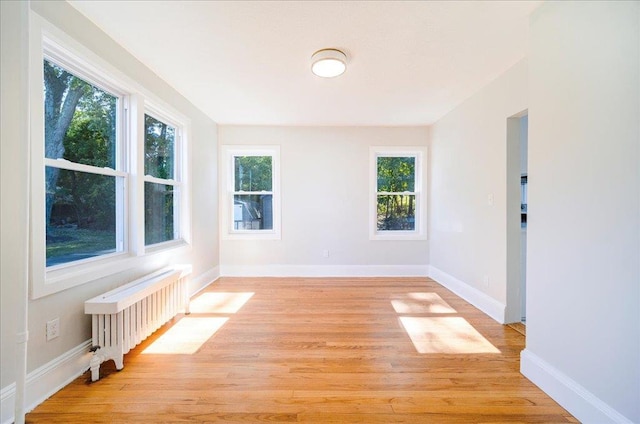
(161, 181)
(251, 203)
(84, 173)
(398, 204)
(108, 180)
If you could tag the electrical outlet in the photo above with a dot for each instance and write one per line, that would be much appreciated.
(53, 329)
(325, 253)
(485, 280)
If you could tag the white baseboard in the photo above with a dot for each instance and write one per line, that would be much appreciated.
(324, 270)
(480, 300)
(580, 402)
(203, 280)
(46, 380)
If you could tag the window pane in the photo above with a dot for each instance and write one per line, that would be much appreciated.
(80, 215)
(396, 213)
(396, 174)
(253, 212)
(80, 119)
(158, 213)
(252, 173)
(159, 148)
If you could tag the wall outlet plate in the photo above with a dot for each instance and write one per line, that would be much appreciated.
(53, 329)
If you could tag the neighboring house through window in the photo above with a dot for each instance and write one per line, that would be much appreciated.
(251, 203)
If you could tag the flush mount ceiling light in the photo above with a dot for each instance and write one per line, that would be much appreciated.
(328, 63)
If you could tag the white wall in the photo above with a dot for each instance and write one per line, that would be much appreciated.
(583, 274)
(524, 143)
(468, 167)
(68, 305)
(325, 195)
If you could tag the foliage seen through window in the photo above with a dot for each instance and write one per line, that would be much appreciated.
(80, 127)
(159, 197)
(396, 197)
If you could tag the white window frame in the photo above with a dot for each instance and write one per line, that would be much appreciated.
(178, 174)
(420, 155)
(49, 42)
(227, 177)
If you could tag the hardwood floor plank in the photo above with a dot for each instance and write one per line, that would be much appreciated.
(318, 351)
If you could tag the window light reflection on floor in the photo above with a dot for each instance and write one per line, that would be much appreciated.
(186, 336)
(220, 302)
(445, 335)
(191, 332)
(419, 303)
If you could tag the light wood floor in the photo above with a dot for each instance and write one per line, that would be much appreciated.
(392, 350)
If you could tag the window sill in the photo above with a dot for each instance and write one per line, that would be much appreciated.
(398, 236)
(71, 275)
(252, 235)
(166, 245)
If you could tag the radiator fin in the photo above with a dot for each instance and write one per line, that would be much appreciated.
(123, 328)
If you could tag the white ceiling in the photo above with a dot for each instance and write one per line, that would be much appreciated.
(248, 62)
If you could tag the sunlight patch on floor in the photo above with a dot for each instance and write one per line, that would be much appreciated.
(186, 336)
(420, 303)
(445, 335)
(219, 302)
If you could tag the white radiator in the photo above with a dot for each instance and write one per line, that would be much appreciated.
(122, 318)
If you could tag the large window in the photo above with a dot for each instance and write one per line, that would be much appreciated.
(397, 199)
(108, 185)
(84, 179)
(251, 202)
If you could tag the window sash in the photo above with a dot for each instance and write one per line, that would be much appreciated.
(271, 208)
(175, 156)
(233, 193)
(91, 242)
(58, 57)
(394, 193)
(175, 181)
(415, 193)
(74, 166)
(415, 171)
(418, 153)
(251, 192)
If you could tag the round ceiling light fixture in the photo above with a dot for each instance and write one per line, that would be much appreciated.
(328, 63)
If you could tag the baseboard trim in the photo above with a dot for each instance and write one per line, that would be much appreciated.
(324, 270)
(580, 402)
(480, 300)
(201, 282)
(46, 380)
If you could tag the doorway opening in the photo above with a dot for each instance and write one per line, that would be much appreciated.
(517, 214)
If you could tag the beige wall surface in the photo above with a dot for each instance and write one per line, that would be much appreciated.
(325, 184)
(583, 271)
(468, 185)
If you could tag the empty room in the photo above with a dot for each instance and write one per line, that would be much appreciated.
(320, 211)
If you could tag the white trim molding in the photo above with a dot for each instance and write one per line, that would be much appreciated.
(419, 153)
(580, 402)
(227, 193)
(480, 300)
(324, 270)
(46, 380)
(203, 281)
